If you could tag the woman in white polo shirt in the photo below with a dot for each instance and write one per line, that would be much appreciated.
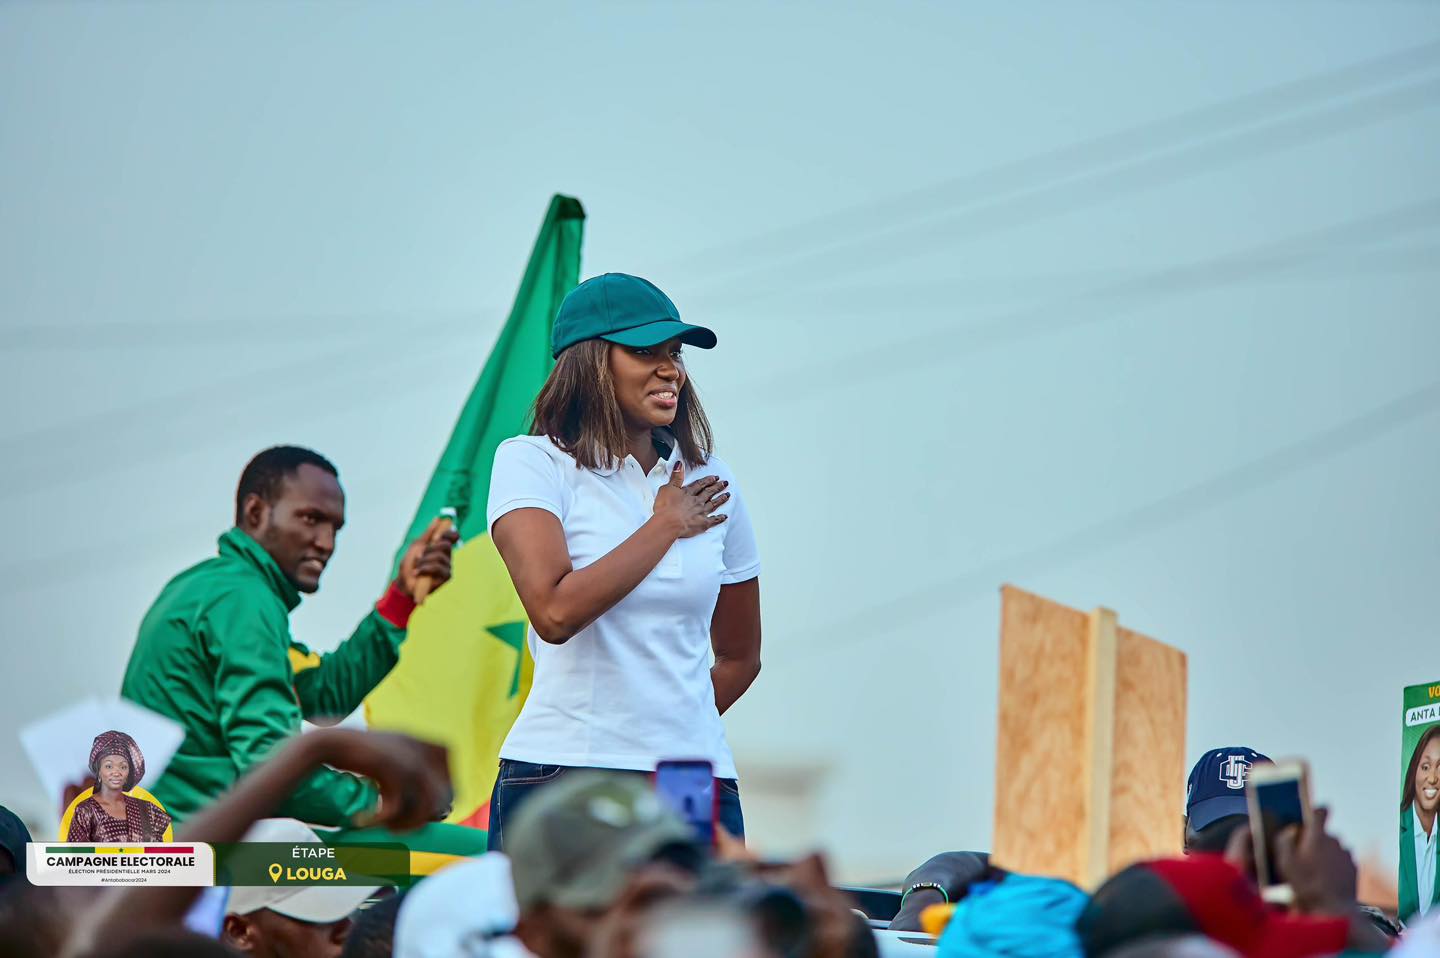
(632, 552)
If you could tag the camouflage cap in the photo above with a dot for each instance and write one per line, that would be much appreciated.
(576, 842)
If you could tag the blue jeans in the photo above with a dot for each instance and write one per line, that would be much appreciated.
(517, 781)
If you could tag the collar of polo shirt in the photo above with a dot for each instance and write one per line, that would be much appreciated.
(669, 452)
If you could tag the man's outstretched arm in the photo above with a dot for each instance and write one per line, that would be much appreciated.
(331, 686)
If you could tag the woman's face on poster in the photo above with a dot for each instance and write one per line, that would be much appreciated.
(114, 770)
(1427, 777)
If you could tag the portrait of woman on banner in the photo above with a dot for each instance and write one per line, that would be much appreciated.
(116, 809)
(1419, 848)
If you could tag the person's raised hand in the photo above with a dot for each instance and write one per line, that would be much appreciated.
(690, 510)
(1320, 870)
(413, 776)
(428, 558)
(732, 850)
(1240, 851)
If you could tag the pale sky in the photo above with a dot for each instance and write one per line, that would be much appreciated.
(1125, 303)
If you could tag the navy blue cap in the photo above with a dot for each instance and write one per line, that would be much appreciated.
(1217, 784)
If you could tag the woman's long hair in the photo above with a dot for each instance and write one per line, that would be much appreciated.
(578, 410)
(1408, 795)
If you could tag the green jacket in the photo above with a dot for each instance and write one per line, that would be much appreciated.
(215, 654)
(1409, 883)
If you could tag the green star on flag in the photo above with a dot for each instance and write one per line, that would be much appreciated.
(513, 635)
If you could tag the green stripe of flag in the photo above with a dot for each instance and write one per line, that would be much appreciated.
(520, 361)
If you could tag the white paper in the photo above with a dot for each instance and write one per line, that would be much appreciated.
(58, 745)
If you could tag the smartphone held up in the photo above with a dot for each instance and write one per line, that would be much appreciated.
(1278, 795)
(687, 787)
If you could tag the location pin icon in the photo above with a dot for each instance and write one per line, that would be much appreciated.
(275, 871)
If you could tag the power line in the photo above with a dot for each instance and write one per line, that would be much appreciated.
(1072, 159)
(103, 336)
(84, 337)
(1334, 264)
(76, 441)
(1267, 259)
(99, 557)
(985, 185)
(39, 569)
(1066, 161)
(1077, 192)
(72, 448)
(851, 254)
(864, 624)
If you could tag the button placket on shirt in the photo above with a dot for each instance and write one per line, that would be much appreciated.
(635, 479)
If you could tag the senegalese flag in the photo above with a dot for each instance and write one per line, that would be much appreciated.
(464, 669)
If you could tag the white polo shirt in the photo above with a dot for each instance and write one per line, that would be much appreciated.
(634, 686)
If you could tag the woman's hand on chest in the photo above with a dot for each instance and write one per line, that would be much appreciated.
(689, 510)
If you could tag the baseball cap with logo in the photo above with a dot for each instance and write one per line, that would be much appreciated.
(1216, 788)
(576, 842)
(321, 904)
(1205, 895)
(624, 309)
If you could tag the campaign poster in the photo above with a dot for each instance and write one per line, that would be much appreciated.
(1419, 800)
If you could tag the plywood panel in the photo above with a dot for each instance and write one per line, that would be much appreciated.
(1147, 799)
(1090, 758)
(1039, 762)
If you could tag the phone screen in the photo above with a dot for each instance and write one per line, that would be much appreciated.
(1280, 807)
(207, 915)
(688, 788)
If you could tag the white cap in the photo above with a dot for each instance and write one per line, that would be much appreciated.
(472, 898)
(321, 904)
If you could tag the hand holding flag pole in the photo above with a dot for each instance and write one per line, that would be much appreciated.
(427, 564)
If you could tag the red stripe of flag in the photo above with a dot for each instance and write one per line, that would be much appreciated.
(183, 850)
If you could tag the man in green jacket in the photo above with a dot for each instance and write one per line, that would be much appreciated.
(215, 652)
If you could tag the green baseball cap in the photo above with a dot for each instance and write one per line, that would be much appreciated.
(576, 842)
(624, 309)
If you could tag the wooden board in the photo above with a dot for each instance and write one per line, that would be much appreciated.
(1091, 742)
(1147, 796)
(1040, 758)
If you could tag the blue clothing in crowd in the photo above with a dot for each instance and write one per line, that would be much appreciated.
(1019, 916)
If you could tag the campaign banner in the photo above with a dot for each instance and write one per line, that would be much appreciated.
(198, 864)
(1419, 800)
(165, 863)
(311, 863)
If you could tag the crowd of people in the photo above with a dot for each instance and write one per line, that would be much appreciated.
(599, 866)
(631, 549)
